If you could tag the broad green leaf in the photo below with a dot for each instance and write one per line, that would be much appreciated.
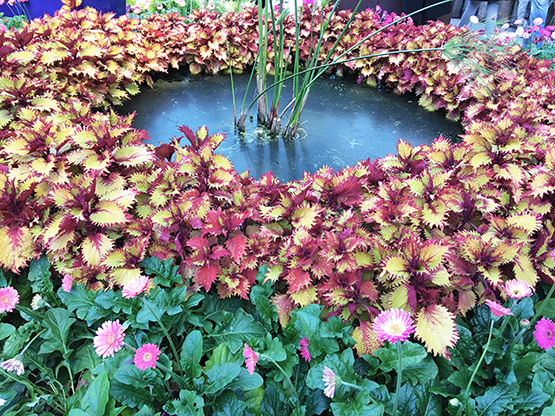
(114, 302)
(129, 395)
(40, 277)
(57, 322)
(82, 301)
(274, 402)
(17, 340)
(413, 355)
(245, 381)
(165, 273)
(191, 354)
(497, 399)
(240, 329)
(95, 399)
(6, 330)
(308, 323)
(85, 359)
(358, 407)
(222, 355)
(260, 297)
(219, 376)
(189, 404)
(229, 405)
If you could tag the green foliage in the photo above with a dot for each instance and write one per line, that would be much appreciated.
(202, 358)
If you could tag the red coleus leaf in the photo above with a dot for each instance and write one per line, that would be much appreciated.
(284, 305)
(237, 246)
(298, 279)
(207, 274)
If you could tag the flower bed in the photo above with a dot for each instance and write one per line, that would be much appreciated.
(434, 229)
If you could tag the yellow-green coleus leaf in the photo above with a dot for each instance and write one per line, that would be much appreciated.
(95, 248)
(435, 326)
(133, 155)
(17, 247)
(107, 213)
(396, 266)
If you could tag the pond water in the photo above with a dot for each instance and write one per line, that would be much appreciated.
(341, 124)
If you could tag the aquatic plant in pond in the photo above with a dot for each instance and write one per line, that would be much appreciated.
(342, 124)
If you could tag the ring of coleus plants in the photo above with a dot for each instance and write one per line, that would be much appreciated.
(433, 229)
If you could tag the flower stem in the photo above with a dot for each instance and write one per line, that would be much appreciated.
(286, 377)
(399, 376)
(466, 390)
(166, 333)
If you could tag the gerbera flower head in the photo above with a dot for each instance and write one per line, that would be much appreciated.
(8, 299)
(329, 382)
(38, 302)
(146, 356)
(304, 349)
(497, 309)
(517, 289)
(13, 365)
(251, 359)
(393, 325)
(109, 338)
(135, 287)
(545, 333)
(67, 283)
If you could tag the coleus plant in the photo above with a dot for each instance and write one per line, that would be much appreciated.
(433, 229)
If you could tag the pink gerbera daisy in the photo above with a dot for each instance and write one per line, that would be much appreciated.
(67, 283)
(517, 289)
(545, 333)
(497, 309)
(109, 338)
(304, 349)
(146, 356)
(8, 299)
(329, 382)
(251, 358)
(393, 325)
(135, 287)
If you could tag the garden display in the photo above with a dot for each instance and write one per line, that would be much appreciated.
(157, 280)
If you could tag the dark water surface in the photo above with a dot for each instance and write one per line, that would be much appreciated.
(342, 123)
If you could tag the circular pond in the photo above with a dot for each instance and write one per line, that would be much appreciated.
(342, 123)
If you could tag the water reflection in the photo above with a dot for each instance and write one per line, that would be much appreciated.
(342, 123)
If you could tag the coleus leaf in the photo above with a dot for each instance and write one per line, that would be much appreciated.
(237, 246)
(133, 155)
(367, 340)
(95, 248)
(17, 247)
(107, 213)
(435, 326)
(284, 305)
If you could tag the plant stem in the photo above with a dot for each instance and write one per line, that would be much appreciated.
(232, 86)
(466, 390)
(285, 376)
(166, 333)
(399, 376)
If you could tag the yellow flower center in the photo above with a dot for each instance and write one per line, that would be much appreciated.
(395, 329)
(147, 356)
